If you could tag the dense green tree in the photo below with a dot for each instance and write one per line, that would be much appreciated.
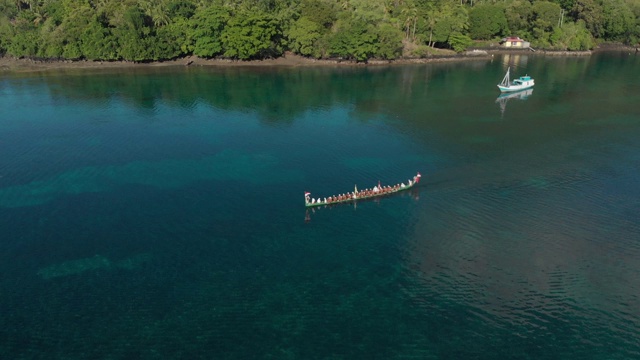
(98, 43)
(285, 12)
(619, 21)
(179, 32)
(181, 9)
(52, 40)
(369, 11)
(452, 19)
(250, 35)
(8, 8)
(8, 11)
(5, 33)
(634, 5)
(303, 36)
(134, 36)
(518, 14)
(459, 42)
(156, 11)
(207, 26)
(24, 38)
(73, 27)
(565, 4)
(169, 42)
(591, 12)
(546, 16)
(321, 12)
(354, 40)
(572, 36)
(487, 21)
(389, 42)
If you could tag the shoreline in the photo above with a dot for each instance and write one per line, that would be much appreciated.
(21, 65)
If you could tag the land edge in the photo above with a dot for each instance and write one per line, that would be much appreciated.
(11, 64)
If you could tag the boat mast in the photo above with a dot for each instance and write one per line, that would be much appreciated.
(506, 81)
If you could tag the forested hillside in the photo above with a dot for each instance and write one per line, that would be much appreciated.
(148, 30)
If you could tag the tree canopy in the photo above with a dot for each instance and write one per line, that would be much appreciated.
(150, 30)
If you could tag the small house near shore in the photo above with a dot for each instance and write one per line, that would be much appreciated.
(515, 42)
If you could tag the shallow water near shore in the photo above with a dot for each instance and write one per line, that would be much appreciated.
(159, 212)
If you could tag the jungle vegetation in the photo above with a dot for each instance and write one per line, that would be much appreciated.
(153, 30)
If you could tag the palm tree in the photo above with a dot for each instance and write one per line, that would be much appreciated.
(411, 19)
(156, 10)
(431, 23)
(40, 16)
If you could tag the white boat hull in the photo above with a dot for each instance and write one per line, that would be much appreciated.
(512, 88)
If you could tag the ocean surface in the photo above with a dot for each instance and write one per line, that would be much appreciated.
(158, 213)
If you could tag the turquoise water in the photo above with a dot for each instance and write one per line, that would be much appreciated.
(159, 213)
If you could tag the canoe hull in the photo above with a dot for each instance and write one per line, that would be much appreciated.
(416, 179)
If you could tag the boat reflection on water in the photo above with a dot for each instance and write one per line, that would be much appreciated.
(414, 193)
(505, 97)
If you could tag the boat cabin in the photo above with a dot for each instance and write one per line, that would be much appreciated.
(523, 80)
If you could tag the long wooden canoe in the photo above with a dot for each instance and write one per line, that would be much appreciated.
(376, 191)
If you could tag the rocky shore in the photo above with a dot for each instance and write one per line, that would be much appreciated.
(10, 64)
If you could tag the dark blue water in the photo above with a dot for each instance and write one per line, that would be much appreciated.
(159, 213)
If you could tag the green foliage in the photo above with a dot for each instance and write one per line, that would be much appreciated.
(487, 21)
(354, 40)
(518, 14)
(320, 12)
(546, 16)
(5, 34)
(54, 11)
(51, 41)
(369, 11)
(453, 19)
(8, 9)
(572, 36)
(179, 34)
(135, 20)
(145, 30)
(249, 35)
(459, 42)
(98, 43)
(130, 46)
(303, 36)
(591, 12)
(206, 29)
(565, 4)
(422, 51)
(619, 21)
(168, 43)
(389, 42)
(24, 36)
(181, 9)
(23, 44)
(72, 29)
